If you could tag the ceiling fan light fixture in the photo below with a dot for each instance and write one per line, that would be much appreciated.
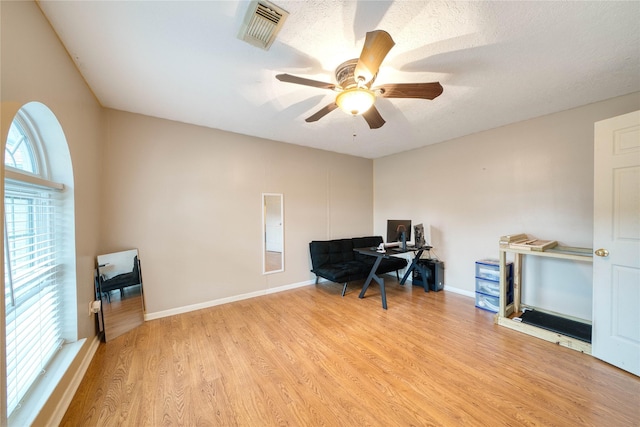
(355, 101)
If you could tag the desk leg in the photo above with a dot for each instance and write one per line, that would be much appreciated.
(379, 280)
(412, 267)
(409, 270)
(383, 293)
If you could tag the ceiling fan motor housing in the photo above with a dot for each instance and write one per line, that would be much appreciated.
(345, 75)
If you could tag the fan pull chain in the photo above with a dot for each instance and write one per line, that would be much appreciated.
(353, 129)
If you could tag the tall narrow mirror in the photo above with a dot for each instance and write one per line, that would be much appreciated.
(272, 233)
(119, 288)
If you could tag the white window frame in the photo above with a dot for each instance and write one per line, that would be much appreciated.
(38, 191)
(34, 140)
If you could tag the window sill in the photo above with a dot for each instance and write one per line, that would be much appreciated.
(37, 397)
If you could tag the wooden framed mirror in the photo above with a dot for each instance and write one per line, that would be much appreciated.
(272, 233)
(119, 288)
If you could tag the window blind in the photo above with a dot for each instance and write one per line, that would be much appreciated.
(32, 292)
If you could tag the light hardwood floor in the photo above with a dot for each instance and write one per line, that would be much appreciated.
(308, 357)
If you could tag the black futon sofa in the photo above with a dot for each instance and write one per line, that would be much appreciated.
(123, 280)
(336, 261)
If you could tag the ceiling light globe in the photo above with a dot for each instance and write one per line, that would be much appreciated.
(355, 101)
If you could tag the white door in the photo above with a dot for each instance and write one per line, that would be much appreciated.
(616, 242)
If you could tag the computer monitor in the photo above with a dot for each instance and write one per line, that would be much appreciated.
(395, 227)
(419, 236)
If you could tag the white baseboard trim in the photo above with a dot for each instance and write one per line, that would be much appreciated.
(226, 300)
(67, 396)
(289, 287)
(464, 292)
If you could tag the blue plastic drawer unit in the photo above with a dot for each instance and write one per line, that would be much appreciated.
(488, 284)
(489, 287)
(489, 269)
(489, 302)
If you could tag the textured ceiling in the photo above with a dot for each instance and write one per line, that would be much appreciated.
(499, 62)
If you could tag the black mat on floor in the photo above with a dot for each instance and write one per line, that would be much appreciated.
(570, 328)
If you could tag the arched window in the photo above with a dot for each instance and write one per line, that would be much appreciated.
(34, 254)
(19, 153)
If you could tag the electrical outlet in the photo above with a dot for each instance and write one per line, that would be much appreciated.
(95, 307)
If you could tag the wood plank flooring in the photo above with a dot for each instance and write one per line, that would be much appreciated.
(308, 357)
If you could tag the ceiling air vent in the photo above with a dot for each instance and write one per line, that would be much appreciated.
(262, 23)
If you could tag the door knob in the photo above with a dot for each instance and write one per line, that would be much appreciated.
(602, 252)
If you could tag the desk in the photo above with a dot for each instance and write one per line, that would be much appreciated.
(379, 257)
(372, 274)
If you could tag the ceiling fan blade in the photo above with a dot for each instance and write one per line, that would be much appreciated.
(306, 82)
(373, 118)
(322, 112)
(410, 90)
(376, 46)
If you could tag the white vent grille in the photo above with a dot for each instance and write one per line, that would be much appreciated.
(262, 23)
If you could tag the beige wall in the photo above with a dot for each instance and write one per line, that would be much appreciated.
(35, 67)
(533, 177)
(189, 198)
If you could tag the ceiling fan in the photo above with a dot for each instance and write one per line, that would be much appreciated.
(355, 78)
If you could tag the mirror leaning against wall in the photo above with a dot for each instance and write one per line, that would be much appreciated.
(119, 288)
(272, 233)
